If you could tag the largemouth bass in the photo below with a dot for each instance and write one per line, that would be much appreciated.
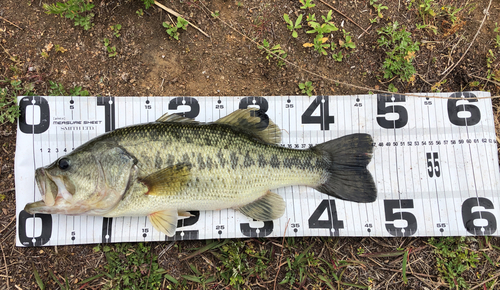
(166, 168)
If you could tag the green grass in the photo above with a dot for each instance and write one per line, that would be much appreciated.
(131, 266)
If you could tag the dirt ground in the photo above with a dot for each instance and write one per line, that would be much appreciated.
(148, 63)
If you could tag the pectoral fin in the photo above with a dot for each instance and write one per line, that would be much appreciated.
(165, 221)
(269, 207)
(169, 180)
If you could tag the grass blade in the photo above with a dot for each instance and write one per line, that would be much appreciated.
(405, 261)
(39, 281)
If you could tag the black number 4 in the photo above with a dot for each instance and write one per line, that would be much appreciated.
(433, 167)
(324, 118)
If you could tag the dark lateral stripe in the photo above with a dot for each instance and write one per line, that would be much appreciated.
(248, 161)
(234, 160)
(222, 160)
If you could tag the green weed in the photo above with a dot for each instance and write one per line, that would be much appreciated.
(9, 110)
(454, 257)
(291, 26)
(234, 260)
(324, 28)
(273, 51)
(306, 88)
(148, 3)
(378, 8)
(111, 49)
(452, 13)
(306, 4)
(73, 9)
(202, 279)
(215, 14)
(172, 30)
(392, 88)
(338, 56)
(401, 51)
(140, 12)
(297, 269)
(348, 40)
(425, 8)
(56, 89)
(116, 30)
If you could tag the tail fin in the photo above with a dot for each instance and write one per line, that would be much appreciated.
(348, 177)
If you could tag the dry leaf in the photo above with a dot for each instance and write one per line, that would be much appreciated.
(307, 44)
(341, 42)
(49, 46)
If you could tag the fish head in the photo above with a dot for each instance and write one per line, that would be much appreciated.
(88, 181)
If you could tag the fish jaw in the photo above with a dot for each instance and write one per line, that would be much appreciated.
(48, 189)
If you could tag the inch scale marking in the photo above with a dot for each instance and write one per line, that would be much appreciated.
(435, 165)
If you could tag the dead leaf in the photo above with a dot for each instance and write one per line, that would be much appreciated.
(409, 57)
(307, 44)
(49, 46)
(60, 49)
(341, 42)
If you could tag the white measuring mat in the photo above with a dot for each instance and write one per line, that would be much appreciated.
(435, 165)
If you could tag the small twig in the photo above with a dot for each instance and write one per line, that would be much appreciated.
(7, 190)
(10, 22)
(361, 35)
(413, 273)
(486, 13)
(366, 31)
(178, 15)
(486, 281)
(6, 268)
(485, 79)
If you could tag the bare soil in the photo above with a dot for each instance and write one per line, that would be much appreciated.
(148, 63)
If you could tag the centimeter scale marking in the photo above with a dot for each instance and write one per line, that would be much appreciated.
(435, 164)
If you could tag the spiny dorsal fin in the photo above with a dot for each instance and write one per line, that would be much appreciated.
(169, 180)
(170, 118)
(267, 208)
(254, 121)
(165, 221)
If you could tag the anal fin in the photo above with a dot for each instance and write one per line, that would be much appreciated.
(269, 207)
(165, 221)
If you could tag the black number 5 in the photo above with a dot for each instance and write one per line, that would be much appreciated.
(433, 167)
(383, 109)
(391, 216)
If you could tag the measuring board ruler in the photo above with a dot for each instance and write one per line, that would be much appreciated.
(435, 165)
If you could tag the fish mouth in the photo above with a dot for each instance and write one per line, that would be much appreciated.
(48, 189)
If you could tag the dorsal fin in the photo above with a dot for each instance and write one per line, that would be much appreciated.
(254, 121)
(175, 118)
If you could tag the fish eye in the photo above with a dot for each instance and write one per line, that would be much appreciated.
(63, 164)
